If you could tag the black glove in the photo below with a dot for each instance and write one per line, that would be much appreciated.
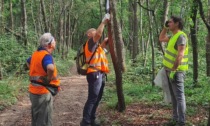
(166, 24)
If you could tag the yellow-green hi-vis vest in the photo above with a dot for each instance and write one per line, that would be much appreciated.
(171, 53)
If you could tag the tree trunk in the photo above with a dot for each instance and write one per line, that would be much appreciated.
(2, 17)
(52, 18)
(69, 27)
(152, 44)
(24, 22)
(207, 45)
(193, 32)
(1, 73)
(118, 61)
(68, 23)
(11, 16)
(142, 49)
(166, 5)
(39, 19)
(208, 37)
(130, 21)
(208, 53)
(44, 16)
(33, 18)
(101, 6)
(61, 32)
(135, 32)
(208, 124)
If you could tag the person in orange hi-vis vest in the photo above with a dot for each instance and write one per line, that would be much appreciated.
(96, 71)
(44, 81)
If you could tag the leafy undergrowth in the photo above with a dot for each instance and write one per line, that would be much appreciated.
(147, 114)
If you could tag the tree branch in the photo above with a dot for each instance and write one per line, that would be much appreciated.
(18, 36)
(202, 14)
(145, 7)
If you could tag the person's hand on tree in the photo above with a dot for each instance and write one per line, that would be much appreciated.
(106, 18)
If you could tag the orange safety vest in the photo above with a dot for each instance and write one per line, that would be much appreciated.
(37, 71)
(99, 61)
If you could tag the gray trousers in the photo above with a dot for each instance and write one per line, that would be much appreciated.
(41, 109)
(176, 86)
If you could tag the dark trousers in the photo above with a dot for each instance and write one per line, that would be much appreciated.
(96, 83)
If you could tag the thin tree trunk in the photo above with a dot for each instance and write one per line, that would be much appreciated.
(61, 31)
(208, 37)
(52, 16)
(33, 18)
(101, 6)
(24, 22)
(39, 18)
(207, 45)
(1, 72)
(146, 48)
(118, 61)
(193, 32)
(130, 21)
(166, 5)
(44, 16)
(135, 32)
(11, 16)
(68, 23)
(152, 45)
(141, 31)
(2, 17)
(64, 34)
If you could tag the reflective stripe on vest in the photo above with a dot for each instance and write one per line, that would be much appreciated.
(171, 53)
(37, 72)
(98, 61)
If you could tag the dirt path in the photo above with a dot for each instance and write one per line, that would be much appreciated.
(68, 105)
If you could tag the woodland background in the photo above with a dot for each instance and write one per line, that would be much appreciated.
(140, 22)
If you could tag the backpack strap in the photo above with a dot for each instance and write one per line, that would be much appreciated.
(92, 57)
(93, 53)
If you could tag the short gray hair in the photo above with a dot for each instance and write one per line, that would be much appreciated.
(90, 30)
(46, 39)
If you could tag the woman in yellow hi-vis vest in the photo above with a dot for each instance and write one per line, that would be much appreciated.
(175, 62)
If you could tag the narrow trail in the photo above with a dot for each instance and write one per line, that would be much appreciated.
(68, 105)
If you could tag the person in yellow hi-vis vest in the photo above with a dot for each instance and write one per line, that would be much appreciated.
(175, 62)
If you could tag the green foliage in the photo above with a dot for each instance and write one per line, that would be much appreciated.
(11, 89)
(12, 55)
(64, 66)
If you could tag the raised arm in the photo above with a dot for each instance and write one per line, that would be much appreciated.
(163, 36)
(100, 28)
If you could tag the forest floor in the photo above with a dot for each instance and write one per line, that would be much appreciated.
(69, 103)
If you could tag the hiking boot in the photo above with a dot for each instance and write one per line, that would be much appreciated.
(95, 123)
(83, 123)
